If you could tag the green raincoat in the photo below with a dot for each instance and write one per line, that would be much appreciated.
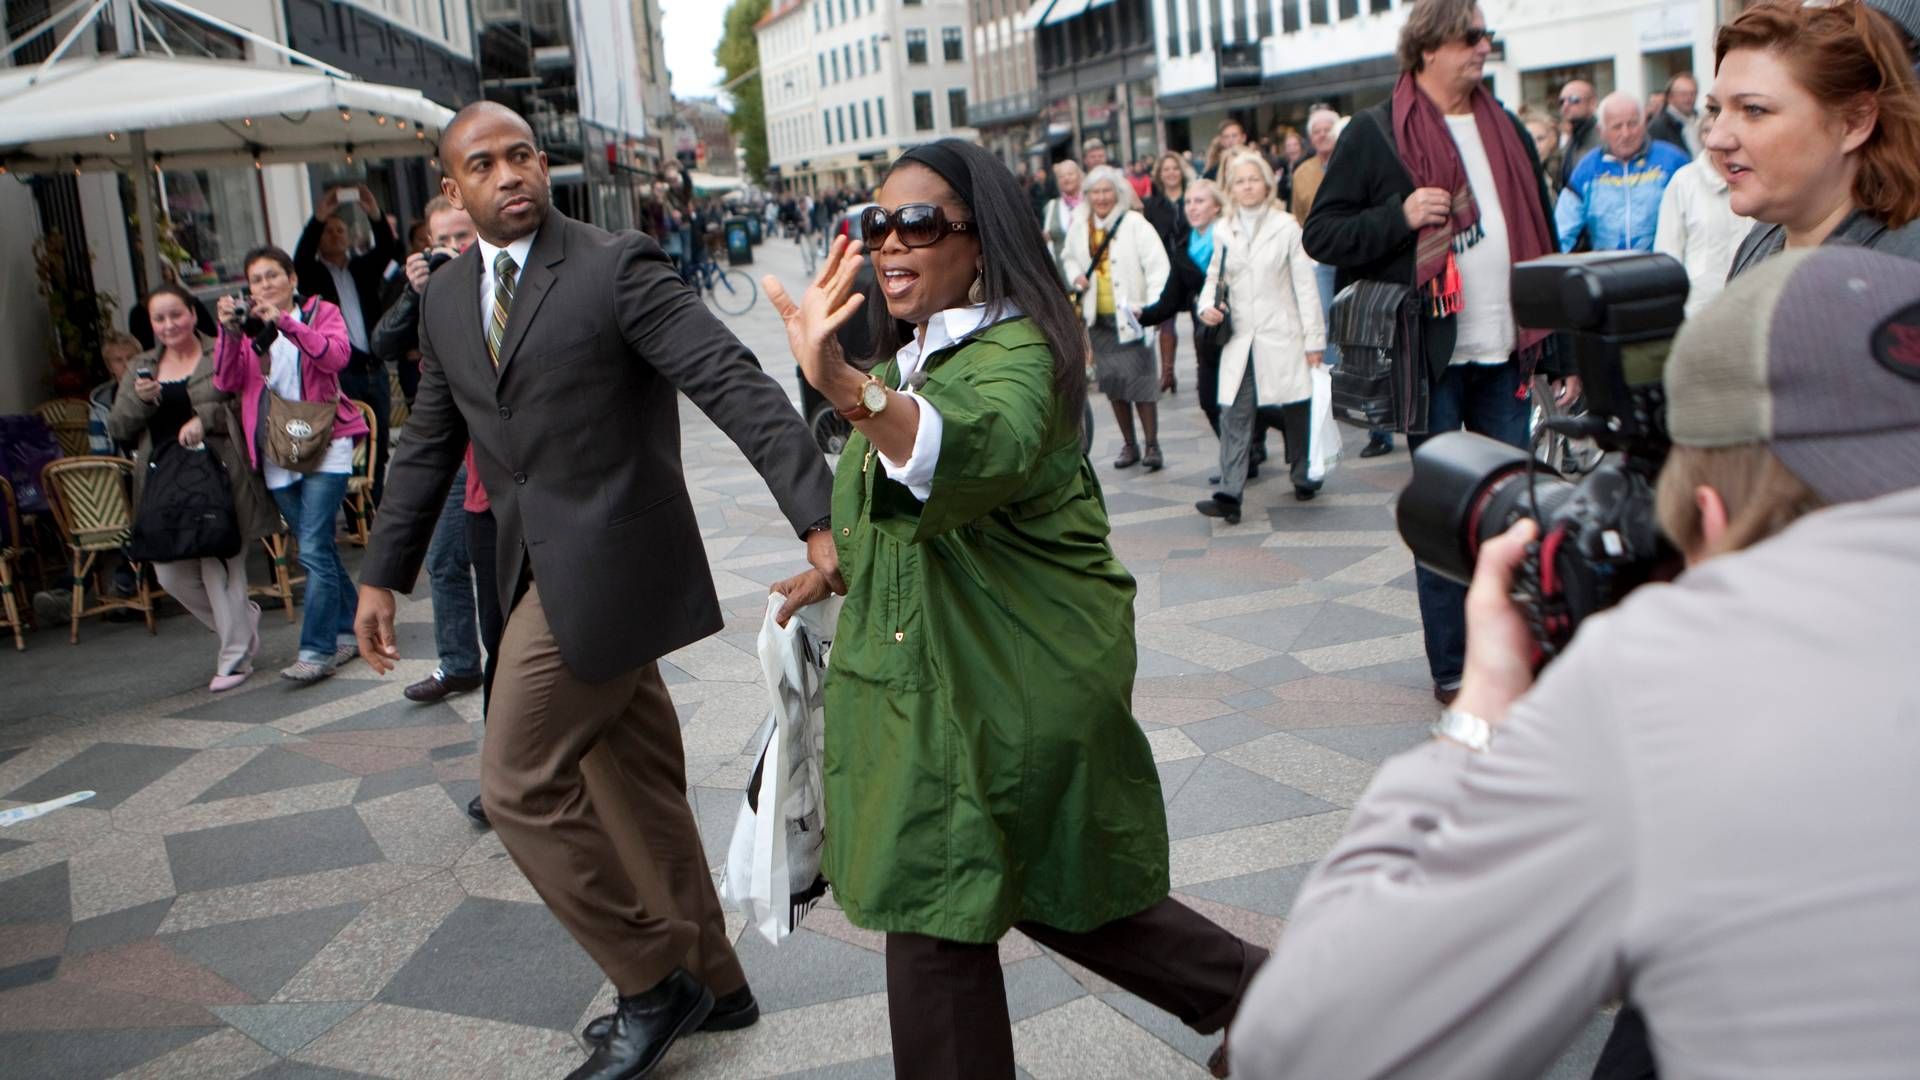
(983, 766)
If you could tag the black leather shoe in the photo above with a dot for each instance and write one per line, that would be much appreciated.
(731, 1012)
(438, 685)
(1225, 509)
(1376, 448)
(1305, 494)
(645, 1026)
(478, 814)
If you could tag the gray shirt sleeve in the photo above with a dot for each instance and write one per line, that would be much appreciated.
(1471, 919)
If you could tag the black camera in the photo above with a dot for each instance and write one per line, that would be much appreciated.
(437, 258)
(257, 330)
(1598, 538)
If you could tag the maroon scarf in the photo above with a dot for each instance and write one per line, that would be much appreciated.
(1427, 150)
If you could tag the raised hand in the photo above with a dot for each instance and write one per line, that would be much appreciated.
(813, 323)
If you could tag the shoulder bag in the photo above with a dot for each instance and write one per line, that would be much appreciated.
(295, 434)
(1216, 337)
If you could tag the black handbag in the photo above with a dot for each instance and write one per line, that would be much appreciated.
(1381, 381)
(186, 508)
(1216, 337)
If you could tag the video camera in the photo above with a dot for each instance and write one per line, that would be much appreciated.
(1598, 537)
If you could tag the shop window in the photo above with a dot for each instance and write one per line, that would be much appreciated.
(216, 220)
(950, 44)
(957, 108)
(916, 46)
(923, 110)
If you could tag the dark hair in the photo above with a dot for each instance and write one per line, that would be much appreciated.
(175, 291)
(268, 251)
(1018, 271)
(1432, 24)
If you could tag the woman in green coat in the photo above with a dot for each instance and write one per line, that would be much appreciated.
(983, 767)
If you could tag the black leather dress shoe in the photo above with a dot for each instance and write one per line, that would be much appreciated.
(438, 685)
(1225, 509)
(478, 814)
(1376, 448)
(731, 1012)
(645, 1026)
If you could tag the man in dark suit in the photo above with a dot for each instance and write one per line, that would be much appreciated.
(558, 349)
(355, 284)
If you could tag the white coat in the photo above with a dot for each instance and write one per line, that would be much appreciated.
(1698, 227)
(1275, 305)
(1136, 260)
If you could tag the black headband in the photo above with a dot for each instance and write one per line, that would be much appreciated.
(946, 161)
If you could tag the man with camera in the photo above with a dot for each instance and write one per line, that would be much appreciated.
(1706, 805)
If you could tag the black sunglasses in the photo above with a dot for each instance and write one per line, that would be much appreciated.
(1475, 35)
(916, 224)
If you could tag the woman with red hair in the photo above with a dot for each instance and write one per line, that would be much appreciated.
(1817, 129)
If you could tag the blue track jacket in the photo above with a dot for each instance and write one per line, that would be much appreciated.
(1616, 203)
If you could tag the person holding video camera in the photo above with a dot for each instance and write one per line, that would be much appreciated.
(274, 354)
(1440, 189)
(1706, 805)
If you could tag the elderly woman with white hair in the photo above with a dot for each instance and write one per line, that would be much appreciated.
(1116, 262)
(1279, 332)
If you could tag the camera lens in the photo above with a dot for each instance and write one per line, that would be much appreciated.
(437, 259)
(1467, 489)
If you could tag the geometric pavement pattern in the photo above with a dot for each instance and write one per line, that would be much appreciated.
(279, 883)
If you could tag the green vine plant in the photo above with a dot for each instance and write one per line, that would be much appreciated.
(79, 318)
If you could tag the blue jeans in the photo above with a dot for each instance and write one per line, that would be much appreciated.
(1480, 398)
(456, 634)
(310, 505)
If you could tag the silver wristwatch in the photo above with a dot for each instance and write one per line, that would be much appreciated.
(1464, 728)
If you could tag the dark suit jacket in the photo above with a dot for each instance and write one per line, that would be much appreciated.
(368, 270)
(1666, 128)
(577, 439)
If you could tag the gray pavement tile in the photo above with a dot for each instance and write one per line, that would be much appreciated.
(1126, 502)
(113, 771)
(1323, 561)
(1338, 624)
(1252, 699)
(1408, 581)
(452, 750)
(8, 845)
(117, 928)
(396, 714)
(1311, 517)
(1373, 742)
(552, 979)
(1196, 587)
(1222, 796)
(260, 955)
(1222, 732)
(274, 699)
(1269, 892)
(716, 810)
(43, 896)
(461, 792)
(807, 969)
(1272, 671)
(1155, 665)
(1409, 673)
(275, 848)
(1274, 629)
(273, 769)
(393, 781)
(26, 974)
(88, 1055)
(873, 1068)
(259, 736)
(1036, 985)
(1164, 1026)
(9, 752)
(284, 1029)
(300, 1070)
(1175, 774)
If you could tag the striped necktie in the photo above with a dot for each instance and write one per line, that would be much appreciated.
(504, 269)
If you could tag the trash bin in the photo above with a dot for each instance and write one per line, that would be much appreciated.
(739, 242)
(756, 230)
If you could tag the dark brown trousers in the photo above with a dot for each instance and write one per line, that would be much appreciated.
(587, 786)
(947, 1003)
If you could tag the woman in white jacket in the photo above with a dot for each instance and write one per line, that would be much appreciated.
(1127, 277)
(1279, 332)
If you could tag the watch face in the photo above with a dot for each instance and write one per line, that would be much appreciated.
(873, 396)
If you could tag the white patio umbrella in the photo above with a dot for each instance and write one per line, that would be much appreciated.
(136, 111)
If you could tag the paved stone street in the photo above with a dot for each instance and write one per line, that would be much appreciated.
(279, 883)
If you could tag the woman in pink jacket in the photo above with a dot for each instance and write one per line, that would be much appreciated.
(306, 347)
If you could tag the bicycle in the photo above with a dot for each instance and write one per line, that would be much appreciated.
(732, 291)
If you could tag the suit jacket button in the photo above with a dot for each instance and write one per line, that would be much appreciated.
(505, 412)
(519, 478)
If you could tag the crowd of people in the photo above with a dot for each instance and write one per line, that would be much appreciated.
(983, 769)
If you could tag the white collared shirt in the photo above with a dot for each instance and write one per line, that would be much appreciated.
(350, 309)
(519, 249)
(945, 328)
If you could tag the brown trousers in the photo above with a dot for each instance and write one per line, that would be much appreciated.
(947, 1003)
(587, 786)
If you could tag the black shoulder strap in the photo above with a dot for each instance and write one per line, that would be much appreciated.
(1101, 251)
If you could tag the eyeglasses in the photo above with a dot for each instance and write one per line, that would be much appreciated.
(916, 224)
(1572, 99)
(1475, 35)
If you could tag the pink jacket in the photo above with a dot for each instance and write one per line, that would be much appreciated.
(324, 351)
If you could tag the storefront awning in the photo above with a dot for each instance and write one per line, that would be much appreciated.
(1064, 10)
(709, 184)
(1030, 20)
(203, 114)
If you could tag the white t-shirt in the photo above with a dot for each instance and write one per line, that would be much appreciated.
(1486, 334)
(284, 379)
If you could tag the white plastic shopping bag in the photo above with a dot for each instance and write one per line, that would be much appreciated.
(1323, 435)
(773, 864)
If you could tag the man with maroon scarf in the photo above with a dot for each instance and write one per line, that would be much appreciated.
(1440, 188)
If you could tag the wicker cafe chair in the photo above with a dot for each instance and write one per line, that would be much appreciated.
(366, 456)
(92, 504)
(280, 558)
(397, 416)
(68, 419)
(10, 551)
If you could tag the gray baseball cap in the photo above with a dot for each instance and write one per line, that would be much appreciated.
(1815, 353)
